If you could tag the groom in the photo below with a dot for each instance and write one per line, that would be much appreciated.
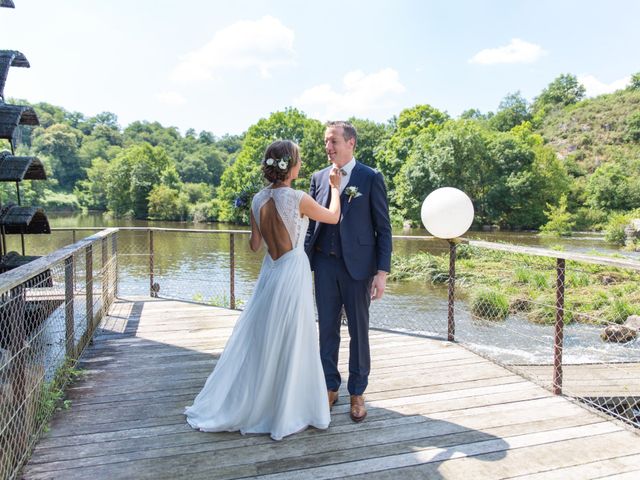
(350, 261)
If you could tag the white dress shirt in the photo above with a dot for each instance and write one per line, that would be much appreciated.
(345, 178)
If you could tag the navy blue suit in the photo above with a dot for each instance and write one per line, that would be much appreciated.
(344, 259)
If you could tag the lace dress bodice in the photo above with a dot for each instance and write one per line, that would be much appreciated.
(287, 203)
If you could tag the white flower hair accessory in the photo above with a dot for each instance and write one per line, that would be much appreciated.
(282, 163)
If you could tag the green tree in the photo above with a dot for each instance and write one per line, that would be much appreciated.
(245, 173)
(60, 143)
(564, 90)
(371, 136)
(615, 186)
(197, 192)
(48, 114)
(230, 143)
(92, 191)
(559, 219)
(512, 111)
(206, 138)
(473, 114)
(153, 133)
(166, 203)
(635, 82)
(131, 176)
(205, 164)
(103, 142)
(509, 176)
(397, 149)
(170, 177)
(523, 177)
(454, 156)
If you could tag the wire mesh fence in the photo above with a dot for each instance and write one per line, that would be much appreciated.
(217, 268)
(49, 309)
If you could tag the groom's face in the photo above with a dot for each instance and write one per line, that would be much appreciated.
(339, 151)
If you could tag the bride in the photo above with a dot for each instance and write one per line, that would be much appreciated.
(269, 378)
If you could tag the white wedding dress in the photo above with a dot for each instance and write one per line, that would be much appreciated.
(269, 378)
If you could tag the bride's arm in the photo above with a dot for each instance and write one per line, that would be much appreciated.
(255, 240)
(315, 211)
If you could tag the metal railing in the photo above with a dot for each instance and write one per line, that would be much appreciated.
(49, 310)
(460, 296)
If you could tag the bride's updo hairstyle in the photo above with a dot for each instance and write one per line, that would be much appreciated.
(278, 160)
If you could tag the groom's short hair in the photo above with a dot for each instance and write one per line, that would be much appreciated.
(348, 130)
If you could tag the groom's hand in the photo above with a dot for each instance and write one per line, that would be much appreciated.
(378, 285)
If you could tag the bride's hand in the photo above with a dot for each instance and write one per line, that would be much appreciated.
(334, 178)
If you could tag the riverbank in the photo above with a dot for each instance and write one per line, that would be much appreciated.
(496, 284)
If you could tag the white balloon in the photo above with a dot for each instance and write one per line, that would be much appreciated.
(447, 213)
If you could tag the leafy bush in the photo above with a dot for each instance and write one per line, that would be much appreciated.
(633, 128)
(560, 221)
(614, 232)
(166, 203)
(59, 201)
(489, 305)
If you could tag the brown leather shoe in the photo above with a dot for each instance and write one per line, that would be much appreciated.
(333, 398)
(358, 410)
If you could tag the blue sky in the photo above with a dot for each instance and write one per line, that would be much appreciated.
(221, 66)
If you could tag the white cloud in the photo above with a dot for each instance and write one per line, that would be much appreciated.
(362, 95)
(595, 87)
(262, 44)
(518, 51)
(171, 98)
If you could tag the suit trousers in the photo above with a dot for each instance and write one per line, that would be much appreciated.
(334, 287)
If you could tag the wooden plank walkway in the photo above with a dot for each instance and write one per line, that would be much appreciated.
(591, 380)
(436, 411)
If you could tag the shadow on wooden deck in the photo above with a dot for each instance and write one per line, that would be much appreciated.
(436, 411)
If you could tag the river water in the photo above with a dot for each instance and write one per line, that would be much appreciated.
(194, 266)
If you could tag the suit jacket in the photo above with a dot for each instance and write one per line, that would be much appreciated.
(365, 229)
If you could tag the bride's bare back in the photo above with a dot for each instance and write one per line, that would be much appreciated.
(280, 216)
(276, 212)
(273, 231)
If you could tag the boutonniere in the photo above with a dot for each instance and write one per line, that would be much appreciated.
(352, 192)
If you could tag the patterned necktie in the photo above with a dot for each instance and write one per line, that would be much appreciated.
(343, 172)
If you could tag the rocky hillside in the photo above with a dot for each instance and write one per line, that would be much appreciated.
(596, 131)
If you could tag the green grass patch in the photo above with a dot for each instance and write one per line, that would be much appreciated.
(52, 393)
(489, 305)
(496, 283)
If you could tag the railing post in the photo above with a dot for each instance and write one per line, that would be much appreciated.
(88, 288)
(451, 325)
(105, 279)
(17, 376)
(559, 328)
(114, 262)
(68, 307)
(232, 271)
(3, 241)
(151, 255)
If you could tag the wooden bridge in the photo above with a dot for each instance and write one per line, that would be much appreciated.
(436, 411)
